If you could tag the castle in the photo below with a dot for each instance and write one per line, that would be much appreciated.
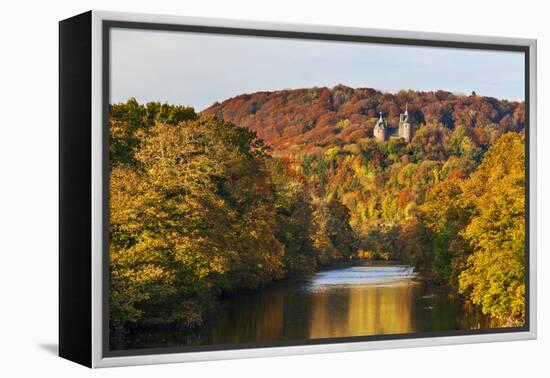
(382, 131)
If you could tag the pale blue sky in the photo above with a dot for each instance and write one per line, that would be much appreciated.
(199, 69)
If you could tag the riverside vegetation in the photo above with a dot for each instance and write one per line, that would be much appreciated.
(280, 184)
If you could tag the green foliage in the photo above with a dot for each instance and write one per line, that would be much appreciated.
(333, 238)
(130, 122)
(445, 216)
(394, 149)
(441, 268)
(295, 224)
(462, 145)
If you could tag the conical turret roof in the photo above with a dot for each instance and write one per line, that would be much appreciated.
(381, 122)
(406, 116)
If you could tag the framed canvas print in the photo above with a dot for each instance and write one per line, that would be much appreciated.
(235, 189)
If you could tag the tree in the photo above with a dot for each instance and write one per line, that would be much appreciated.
(130, 122)
(294, 211)
(414, 245)
(200, 206)
(445, 216)
(192, 217)
(495, 273)
(432, 141)
(462, 145)
(334, 238)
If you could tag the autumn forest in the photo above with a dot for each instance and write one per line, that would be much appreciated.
(278, 185)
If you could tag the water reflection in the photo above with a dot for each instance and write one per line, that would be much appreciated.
(362, 301)
(356, 301)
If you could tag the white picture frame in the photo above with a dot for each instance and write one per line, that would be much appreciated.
(99, 21)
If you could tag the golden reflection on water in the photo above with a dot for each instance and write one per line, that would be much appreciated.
(376, 311)
(271, 325)
(357, 301)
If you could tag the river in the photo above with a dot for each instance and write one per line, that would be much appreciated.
(362, 300)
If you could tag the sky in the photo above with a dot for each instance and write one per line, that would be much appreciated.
(197, 69)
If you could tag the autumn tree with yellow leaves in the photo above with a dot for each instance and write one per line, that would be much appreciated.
(200, 207)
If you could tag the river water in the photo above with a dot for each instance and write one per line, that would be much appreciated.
(367, 299)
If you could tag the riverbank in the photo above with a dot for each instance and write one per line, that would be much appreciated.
(357, 298)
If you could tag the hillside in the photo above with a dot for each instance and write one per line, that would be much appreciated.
(198, 208)
(298, 120)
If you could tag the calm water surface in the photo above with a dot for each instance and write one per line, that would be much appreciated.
(354, 301)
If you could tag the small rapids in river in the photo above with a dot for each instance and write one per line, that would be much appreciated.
(374, 276)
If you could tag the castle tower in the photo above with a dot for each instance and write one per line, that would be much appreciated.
(380, 129)
(406, 126)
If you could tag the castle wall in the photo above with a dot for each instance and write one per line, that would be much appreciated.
(379, 134)
(405, 129)
(406, 132)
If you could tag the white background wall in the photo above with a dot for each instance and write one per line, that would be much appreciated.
(28, 197)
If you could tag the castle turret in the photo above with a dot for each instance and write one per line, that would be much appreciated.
(406, 125)
(380, 129)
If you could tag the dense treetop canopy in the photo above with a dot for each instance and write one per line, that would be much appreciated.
(300, 119)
